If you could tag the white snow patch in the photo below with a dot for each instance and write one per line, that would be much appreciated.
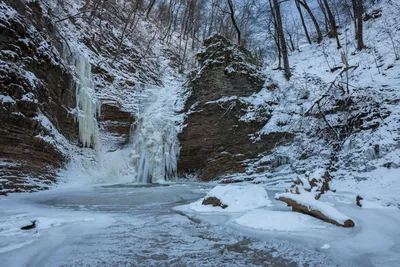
(7, 99)
(326, 246)
(238, 198)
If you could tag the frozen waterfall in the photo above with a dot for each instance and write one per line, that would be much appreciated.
(87, 104)
(155, 144)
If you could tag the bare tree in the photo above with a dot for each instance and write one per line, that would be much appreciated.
(276, 36)
(281, 35)
(358, 9)
(310, 13)
(150, 7)
(232, 15)
(332, 23)
(302, 21)
(327, 24)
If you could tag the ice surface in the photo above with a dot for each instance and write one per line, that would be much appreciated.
(279, 221)
(133, 225)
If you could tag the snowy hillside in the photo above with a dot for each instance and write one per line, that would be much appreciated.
(355, 131)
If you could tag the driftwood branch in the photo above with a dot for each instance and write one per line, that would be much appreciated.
(297, 207)
(31, 226)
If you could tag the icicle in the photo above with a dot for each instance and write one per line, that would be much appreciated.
(87, 105)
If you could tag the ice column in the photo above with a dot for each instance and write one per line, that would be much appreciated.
(87, 104)
(155, 148)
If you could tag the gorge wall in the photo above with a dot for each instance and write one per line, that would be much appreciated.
(39, 43)
(217, 137)
(36, 92)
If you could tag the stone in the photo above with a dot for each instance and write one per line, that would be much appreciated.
(215, 202)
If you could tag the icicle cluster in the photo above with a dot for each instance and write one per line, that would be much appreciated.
(87, 104)
(155, 149)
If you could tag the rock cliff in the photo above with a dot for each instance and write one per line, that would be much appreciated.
(36, 93)
(217, 137)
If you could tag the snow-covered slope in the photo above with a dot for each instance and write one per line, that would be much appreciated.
(355, 130)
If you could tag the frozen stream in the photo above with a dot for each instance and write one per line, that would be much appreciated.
(121, 225)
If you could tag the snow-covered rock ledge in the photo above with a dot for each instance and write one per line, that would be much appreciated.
(307, 204)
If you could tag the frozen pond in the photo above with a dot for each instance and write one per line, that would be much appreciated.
(127, 225)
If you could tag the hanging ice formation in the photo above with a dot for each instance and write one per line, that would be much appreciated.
(155, 147)
(87, 104)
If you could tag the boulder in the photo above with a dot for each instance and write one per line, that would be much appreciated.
(215, 202)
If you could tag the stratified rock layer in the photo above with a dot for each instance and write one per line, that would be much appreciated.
(115, 124)
(36, 98)
(215, 140)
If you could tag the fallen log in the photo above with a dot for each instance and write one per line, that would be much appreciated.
(31, 226)
(316, 209)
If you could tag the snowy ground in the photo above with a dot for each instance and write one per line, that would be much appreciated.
(115, 225)
(368, 157)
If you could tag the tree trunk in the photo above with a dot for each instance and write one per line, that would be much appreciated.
(151, 5)
(282, 40)
(358, 11)
(232, 13)
(332, 22)
(276, 37)
(327, 26)
(302, 21)
(317, 28)
(354, 3)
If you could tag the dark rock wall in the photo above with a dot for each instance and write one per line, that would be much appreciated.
(115, 124)
(37, 95)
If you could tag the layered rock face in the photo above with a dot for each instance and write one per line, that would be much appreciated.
(36, 96)
(115, 124)
(216, 140)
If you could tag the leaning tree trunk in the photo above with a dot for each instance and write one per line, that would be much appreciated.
(317, 28)
(150, 8)
(326, 20)
(302, 22)
(232, 14)
(282, 40)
